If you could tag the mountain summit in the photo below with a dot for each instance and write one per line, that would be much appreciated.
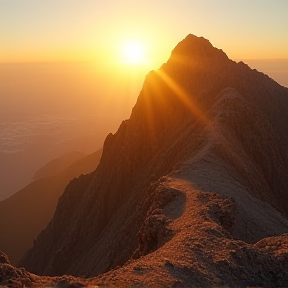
(191, 191)
(193, 47)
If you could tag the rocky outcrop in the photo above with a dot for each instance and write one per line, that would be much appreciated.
(189, 183)
(4, 258)
(13, 277)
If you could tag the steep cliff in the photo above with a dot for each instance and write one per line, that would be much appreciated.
(196, 159)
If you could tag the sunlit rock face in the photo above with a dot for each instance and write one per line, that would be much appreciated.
(186, 186)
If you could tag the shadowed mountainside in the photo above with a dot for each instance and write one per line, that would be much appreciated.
(188, 189)
(55, 166)
(27, 212)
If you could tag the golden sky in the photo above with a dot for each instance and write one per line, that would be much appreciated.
(89, 30)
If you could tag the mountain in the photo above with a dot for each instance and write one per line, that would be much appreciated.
(191, 191)
(27, 212)
(55, 166)
(13, 277)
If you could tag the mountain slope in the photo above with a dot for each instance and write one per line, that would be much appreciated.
(55, 166)
(26, 213)
(223, 150)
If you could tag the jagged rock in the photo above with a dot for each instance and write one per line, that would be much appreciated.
(153, 233)
(13, 277)
(4, 258)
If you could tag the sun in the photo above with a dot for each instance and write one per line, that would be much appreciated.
(133, 52)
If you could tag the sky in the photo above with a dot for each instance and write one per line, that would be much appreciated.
(92, 30)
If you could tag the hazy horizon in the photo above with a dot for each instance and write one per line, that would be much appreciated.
(49, 109)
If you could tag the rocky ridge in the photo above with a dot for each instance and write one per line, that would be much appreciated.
(188, 189)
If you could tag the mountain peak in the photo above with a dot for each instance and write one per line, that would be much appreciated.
(196, 47)
(197, 162)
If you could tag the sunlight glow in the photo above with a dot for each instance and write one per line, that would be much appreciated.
(133, 52)
(184, 97)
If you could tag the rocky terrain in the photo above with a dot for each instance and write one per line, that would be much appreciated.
(191, 191)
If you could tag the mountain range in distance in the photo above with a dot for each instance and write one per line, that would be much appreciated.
(191, 191)
(27, 212)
